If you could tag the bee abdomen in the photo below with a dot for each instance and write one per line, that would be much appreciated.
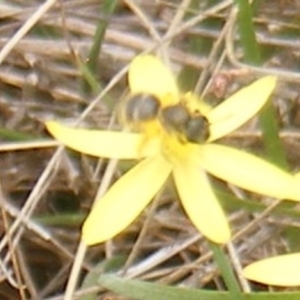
(197, 129)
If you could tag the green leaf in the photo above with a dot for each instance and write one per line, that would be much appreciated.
(140, 290)
(149, 291)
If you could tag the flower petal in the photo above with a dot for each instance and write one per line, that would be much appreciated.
(240, 107)
(125, 200)
(200, 202)
(249, 172)
(280, 270)
(148, 75)
(108, 144)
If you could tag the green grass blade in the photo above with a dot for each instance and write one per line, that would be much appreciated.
(92, 62)
(268, 122)
(226, 271)
(14, 135)
(91, 278)
(107, 10)
(140, 290)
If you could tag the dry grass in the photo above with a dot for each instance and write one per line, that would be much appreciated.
(46, 191)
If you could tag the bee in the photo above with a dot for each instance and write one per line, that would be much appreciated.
(188, 126)
(139, 108)
(177, 119)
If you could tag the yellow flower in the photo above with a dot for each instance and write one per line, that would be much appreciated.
(282, 270)
(163, 154)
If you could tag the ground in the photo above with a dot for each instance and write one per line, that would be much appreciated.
(46, 191)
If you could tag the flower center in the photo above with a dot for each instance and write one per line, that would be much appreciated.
(176, 151)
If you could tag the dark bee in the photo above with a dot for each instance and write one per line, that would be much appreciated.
(176, 119)
(190, 127)
(140, 108)
(197, 128)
